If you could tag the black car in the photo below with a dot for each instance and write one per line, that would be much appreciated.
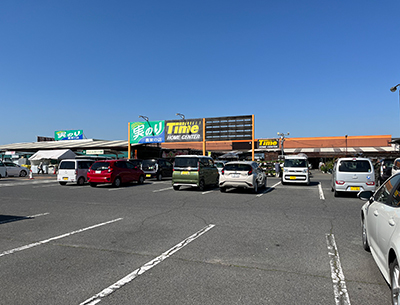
(157, 168)
(383, 170)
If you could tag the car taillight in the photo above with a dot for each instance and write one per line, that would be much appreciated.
(371, 183)
(109, 169)
(250, 172)
(223, 172)
(340, 182)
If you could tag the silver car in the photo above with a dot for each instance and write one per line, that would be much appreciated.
(242, 174)
(15, 169)
(352, 175)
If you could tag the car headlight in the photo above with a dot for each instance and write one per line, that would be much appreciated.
(304, 170)
(285, 170)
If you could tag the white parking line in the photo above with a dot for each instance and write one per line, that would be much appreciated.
(55, 238)
(207, 192)
(339, 284)
(321, 192)
(268, 189)
(131, 276)
(160, 190)
(26, 183)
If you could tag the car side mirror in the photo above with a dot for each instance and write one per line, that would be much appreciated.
(365, 195)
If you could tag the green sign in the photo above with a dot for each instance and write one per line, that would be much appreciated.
(147, 132)
(68, 135)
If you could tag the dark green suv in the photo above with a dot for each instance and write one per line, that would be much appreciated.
(194, 171)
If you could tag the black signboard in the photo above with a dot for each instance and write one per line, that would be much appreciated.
(229, 128)
(184, 130)
(44, 139)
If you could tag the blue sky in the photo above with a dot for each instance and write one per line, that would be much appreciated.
(311, 68)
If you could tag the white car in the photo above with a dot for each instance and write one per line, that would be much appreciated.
(380, 221)
(220, 165)
(242, 174)
(15, 169)
(3, 170)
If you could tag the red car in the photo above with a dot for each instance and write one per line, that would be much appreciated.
(115, 172)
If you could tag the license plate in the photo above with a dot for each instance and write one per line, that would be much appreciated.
(98, 172)
(292, 178)
(235, 175)
(184, 173)
(65, 178)
(354, 188)
(148, 175)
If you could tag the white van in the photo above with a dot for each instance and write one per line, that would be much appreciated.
(74, 171)
(295, 169)
(3, 170)
(353, 175)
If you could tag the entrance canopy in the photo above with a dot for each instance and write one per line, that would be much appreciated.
(56, 154)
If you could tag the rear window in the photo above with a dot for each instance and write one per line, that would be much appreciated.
(295, 163)
(186, 162)
(149, 164)
(360, 166)
(67, 165)
(237, 167)
(100, 166)
(388, 163)
(219, 164)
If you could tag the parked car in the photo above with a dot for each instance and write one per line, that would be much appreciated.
(136, 162)
(396, 166)
(157, 168)
(220, 165)
(383, 170)
(115, 172)
(3, 170)
(352, 175)
(242, 174)
(73, 171)
(295, 169)
(380, 219)
(15, 169)
(194, 171)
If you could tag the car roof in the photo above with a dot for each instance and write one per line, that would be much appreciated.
(241, 162)
(354, 159)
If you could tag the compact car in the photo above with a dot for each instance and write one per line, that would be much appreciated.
(352, 175)
(15, 169)
(157, 168)
(380, 222)
(296, 169)
(115, 172)
(220, 165)
(242, 174)
(3, 170)
(383, 170)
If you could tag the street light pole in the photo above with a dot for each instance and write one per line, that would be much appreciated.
(282, 135)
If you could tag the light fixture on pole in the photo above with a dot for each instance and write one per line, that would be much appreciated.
(144, 118)
(181, 115)
(282, 135)
(393, 89)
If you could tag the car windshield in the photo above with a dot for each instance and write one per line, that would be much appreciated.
(361, 166)
(186, 162)
(67, 165)
(100, 166)
(295, 163)
(237, 167)
(149, 164)
(388, 163)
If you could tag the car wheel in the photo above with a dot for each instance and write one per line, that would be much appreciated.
(202, 185)
(63, 183)
(265, 183)
(117, 182)
(222, 189)
(335, 193)
(159, 177)
(92, 184)
(23, 173)
(81, 181)
(364, 236)
(176, 187)
(395, 282)
(141, 180)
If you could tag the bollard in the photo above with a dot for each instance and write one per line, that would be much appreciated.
(30, 174)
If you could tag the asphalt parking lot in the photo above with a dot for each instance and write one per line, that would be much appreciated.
(149, 244)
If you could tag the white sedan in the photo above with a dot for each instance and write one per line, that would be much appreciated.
(15, 169)
(380, 220)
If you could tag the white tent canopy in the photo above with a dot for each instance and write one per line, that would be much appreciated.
(56, 154)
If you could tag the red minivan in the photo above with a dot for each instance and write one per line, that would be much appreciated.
(115, 172)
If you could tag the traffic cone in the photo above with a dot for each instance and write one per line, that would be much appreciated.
(30, 174)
